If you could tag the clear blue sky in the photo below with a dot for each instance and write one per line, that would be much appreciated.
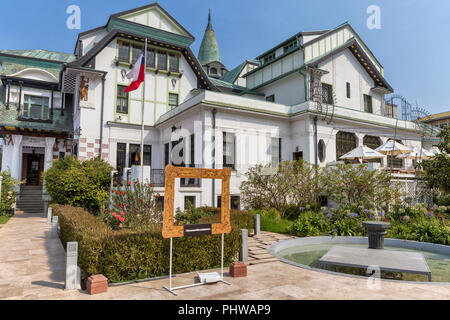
(413, 44)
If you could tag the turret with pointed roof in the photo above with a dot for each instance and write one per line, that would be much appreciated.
(209, 53)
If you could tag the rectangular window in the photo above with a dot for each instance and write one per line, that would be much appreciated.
(150, 58)
(122, 100)
(276, 151)
(124, 51)
(348, 90)
(173, 63)
(173, 100)
(162, 61)
(327, 93)
(136, 51)
(189, 200)
(270, 98)
(36, 108)
(133, 155)
(368, 103)
(229, 150)
(147, 155)
(62, 155)
(166, 154)
(121, 156)
(235, 202)
(180, 154)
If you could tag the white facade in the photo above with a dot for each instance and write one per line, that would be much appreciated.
(291, 115)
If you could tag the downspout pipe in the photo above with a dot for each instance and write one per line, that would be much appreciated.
(213, 154)
(316, 155)
(101, 116)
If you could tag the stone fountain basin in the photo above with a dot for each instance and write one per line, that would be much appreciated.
(277, 247)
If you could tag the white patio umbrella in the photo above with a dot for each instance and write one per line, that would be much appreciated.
(393, 148)
(435, 151)
(362, 152)
(416, 154)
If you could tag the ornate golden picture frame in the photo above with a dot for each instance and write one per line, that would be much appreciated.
(169, 228)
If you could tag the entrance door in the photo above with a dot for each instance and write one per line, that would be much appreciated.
(34, 166)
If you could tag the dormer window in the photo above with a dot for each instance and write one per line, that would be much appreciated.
(35, 108)
(213, 71)
(268, 58)
(290, 46)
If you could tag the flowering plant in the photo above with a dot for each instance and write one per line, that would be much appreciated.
(133, 206)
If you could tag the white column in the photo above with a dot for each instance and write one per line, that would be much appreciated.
(16, 154)
(48, 158)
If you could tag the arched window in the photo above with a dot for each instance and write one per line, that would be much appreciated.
(213, 71)
(373, 143)
(321, 151)
(345, 142)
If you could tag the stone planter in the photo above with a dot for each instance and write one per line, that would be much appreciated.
(376, 232)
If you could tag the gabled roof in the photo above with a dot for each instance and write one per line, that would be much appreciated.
(232, 75)
(118, 17)
(185, 50)
(363, 59)
(148, 6)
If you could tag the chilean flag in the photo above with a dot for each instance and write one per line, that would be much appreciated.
(137, 74)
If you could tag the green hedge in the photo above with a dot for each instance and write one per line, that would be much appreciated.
(131, 255)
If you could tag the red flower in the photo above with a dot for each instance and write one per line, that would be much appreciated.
(114, 214)
(129, 183)
(121, 219)
(123, 206)
(122, 214)
(120, 226)
(140, 201)
(124, 194)
(156, 206)
(385, 220)
(120, 192)
(112, 191)
(159, 196)
(151, 185)
(106, 210)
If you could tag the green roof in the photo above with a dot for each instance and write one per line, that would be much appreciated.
(60, 123)
(9, 68)
(209, 49)
(231, 75)
(42, 54)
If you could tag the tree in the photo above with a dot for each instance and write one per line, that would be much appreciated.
(80, 184)
(436, 172)
(292, 183)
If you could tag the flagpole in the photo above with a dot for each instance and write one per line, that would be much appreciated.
(143, 104)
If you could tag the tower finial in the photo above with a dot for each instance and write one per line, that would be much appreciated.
(209, 27)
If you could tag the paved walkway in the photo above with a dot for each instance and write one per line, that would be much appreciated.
(31, 263)
(32, 267)
(257, 247)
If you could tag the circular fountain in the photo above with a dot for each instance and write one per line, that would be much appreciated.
(353, 256)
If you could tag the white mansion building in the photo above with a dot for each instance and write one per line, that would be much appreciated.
(315, 96)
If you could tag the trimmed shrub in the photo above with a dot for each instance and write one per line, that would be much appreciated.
(139, 254)
(80, 184)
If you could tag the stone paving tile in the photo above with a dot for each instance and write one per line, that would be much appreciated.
(32, 267)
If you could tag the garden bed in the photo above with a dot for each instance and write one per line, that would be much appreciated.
(129, 254)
